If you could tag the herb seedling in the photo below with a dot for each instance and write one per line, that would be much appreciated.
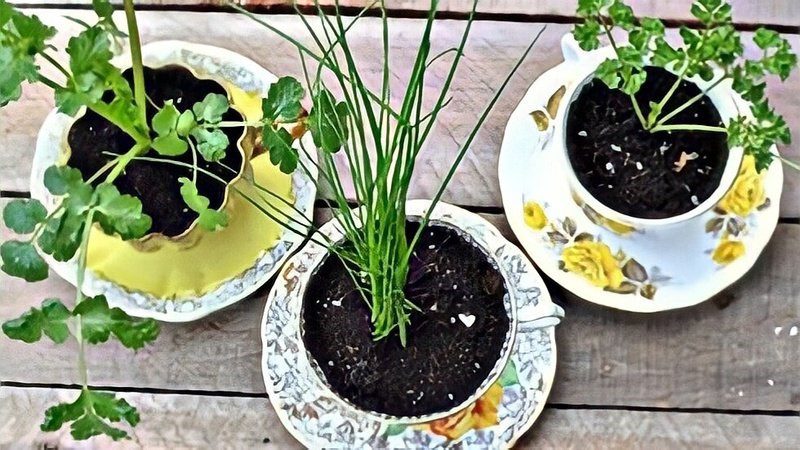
(713, 52)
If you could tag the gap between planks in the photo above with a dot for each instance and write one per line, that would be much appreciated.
(398, 13)
(557, 406)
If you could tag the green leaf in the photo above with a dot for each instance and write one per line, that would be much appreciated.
(212, 144)
(99, 322)
(51, 320)
(166, 119)
(283, 100)
(327, 122)
(211, 108)
(61, 236)
(21, 260)
(120, 214)
(170, 144)
(279, 145)
(608, 73)
(209, 219)
(588, 8)
(22, 38)
(62, 179)
(587, 34)
(213, 220)
(87, 414)
(622, 15)
(186, 123)
(22, 216)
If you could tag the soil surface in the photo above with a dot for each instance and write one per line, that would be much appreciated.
(156, 184)
(452, 345)
(634, 171)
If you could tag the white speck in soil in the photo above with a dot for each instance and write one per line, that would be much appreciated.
(695, 114)
(450, 396)
(694, 200)
(179, 100)
(455, 286)
(611, 186)
(793, 331)
(688, 189)
(431, 247)
(410, 392)
(185, 210)
(337, 303)
(467, 319)
(770, 382)
(452, 320)
(477, 365)
(582, 133)
(610, 167)
(616, 148)
(778, 330)
(434, 307)
(639, 165)
(91, 128)
(347, 367)
(330, 363)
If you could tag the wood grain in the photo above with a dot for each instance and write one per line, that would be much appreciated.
(491, 53)
(727, 353)
(776, 12)
(194, 421)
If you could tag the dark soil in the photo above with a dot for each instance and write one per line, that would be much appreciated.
(445, 361)
(633, 171)
(156, 184)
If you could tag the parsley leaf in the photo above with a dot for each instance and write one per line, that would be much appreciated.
(211, 108)
(120, 214)
(22, 216)
(283, 101)
(211, 143)
(99, 322)
(22, 38)
(209, 219)
(51, 320)
(87, 414)
(327, 122)
(279, 145)
(21, 260)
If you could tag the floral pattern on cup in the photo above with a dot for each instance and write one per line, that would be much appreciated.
(586, 255)
(734, 211)
(483, 413)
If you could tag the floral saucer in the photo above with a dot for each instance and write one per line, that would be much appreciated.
(609, 263)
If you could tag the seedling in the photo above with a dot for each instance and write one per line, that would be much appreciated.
(713, 52)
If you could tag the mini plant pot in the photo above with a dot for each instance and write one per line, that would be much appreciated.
(503, 402)
(250, 262)
(724, 101)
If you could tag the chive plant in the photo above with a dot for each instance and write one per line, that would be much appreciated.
(380, 144)
(715, 45)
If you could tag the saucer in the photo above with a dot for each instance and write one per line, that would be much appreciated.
(608, 263)
(495, 418)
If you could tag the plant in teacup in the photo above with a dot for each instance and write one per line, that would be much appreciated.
(403, 310)
(149, 156)
(658, 133)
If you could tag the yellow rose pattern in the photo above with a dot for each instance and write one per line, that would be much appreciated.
(585, 255)
(593, 261)
(745, 197)
(481, 414)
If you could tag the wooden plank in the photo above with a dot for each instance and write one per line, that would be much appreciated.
(194, 421)
(491, 53)
(776, 12)
(728, 353)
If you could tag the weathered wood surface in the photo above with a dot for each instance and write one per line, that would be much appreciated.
(491, 53)
(194, 421)
(728, 353)
(776, 12)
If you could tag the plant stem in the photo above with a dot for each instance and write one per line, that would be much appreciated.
(124, 160)
(691, 101)
(667, 96)
(82, 257)
(788, 162)
(136, 61)
(688, 127)
(55, 63)
(635, 102)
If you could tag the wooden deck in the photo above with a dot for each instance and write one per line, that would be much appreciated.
(720, 375)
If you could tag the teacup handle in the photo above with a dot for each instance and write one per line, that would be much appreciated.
(543, 314)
